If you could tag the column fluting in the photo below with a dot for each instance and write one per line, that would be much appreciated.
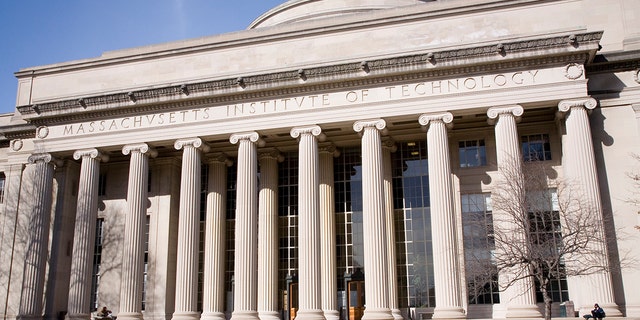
(268, 235)
(308, 223)
(374, 223)
(328, 273)
(133, 252)
(31, 302)
(443, 224)
(580, 168)
(245, 293)
(84, 234)
(215, 237)
(519, 296)
(186, 306)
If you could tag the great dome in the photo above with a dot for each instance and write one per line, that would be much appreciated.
(301, 10)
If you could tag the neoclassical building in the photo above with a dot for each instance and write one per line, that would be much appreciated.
(322, 164)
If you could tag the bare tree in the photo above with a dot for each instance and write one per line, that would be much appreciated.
(542, 229)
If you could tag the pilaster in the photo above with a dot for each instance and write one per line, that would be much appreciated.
(215, 237)
(268, 235)
(388, 147)
(328, 273)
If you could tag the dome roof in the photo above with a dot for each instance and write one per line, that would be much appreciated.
(302, 10)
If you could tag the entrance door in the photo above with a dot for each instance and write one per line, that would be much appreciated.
(356, 301)
(293, 300)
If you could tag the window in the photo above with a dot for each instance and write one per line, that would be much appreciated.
(2, 180)
(102, 184)
(536, 147)
(472, 153)
(479, 245)
(97, 259)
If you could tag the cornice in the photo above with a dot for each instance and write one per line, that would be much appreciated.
(496, 56)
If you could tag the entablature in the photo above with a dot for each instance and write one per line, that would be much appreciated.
(576, 47)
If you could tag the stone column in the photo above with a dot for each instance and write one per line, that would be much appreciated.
(188, 229)
(215, 236)
(308, 223)
(84, 234)
(328, 273)
(133, 254)
(245, 294)
(374, 220)
(520, 296)
(443, 224)
(38, 237)
(389, 146)
(580, 168)
(268, 235)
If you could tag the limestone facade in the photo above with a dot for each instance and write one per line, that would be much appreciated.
(320, 164)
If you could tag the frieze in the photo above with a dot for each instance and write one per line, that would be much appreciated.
(274, 80)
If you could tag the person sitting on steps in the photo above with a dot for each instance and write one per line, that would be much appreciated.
(596, 313)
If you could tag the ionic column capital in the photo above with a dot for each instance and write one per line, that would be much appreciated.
(588, 103)
(389, 144)
(328, 148)
(270, 153)
(379, 124)
(91, 153)
(444, 117)
(44, 157)
(253, 137)
(193, 142)
(313, 130)
(494, 112)
(219, 158)
(139, 147)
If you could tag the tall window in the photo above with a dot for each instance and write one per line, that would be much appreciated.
(413, 225)
(97, 259)
(102, 184)
(146, 263)
(546, 232)
(2, 180)
(479, 245)
(230, 235)
(472, 153)
(287, 227)
(348, 204)
(536, 147)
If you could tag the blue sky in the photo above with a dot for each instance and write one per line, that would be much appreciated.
(40, 32)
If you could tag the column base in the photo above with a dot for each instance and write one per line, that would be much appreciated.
(611, 309)
(78, 316)
(523, 311)
(28, 317)
(244, 315)
(130, 316)
(331, 314)
(449, 313)
(377, 314)
(186, 315)
(397, 314)
(212, 316)
(310, 314)
(269, 315)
